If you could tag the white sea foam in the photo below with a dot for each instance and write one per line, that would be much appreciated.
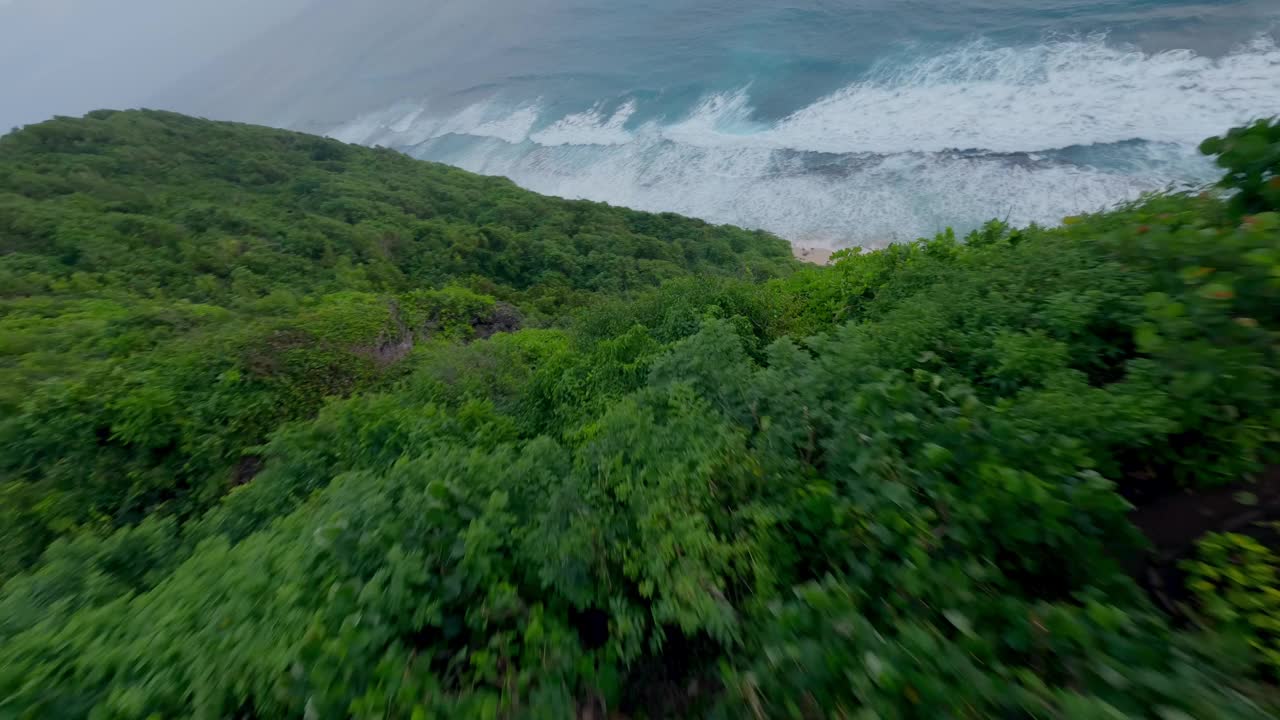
(887, 169)
(592, 127)
(855, 200)
(1001, 99)
(404, 125)
(513, 128)
(721, 119)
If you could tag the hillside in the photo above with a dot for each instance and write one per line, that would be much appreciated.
(291, 428)
(174, 289)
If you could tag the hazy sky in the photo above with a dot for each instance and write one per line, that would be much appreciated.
(70, 56)
(314, 64)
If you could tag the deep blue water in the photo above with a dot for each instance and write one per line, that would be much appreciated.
(830, 122)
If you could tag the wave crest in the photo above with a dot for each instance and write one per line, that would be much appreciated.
(1027, 133)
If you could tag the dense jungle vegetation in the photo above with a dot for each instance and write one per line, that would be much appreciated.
(291, 428)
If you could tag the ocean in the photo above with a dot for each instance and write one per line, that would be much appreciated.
(829, 122)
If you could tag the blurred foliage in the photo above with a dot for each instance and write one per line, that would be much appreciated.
(1236, 580)
(537, 458)
(172, 290)
(1251, 156)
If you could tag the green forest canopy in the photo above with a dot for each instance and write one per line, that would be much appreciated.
(292, 428)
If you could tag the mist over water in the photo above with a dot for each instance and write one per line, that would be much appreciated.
(829, 122)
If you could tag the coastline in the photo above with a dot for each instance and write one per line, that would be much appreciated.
(815, 255)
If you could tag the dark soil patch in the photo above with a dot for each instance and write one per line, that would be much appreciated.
(592, 625)
(679, 682)
(1174, 523)
(247, 469)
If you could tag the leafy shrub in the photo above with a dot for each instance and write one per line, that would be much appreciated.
(452, 311)
(1251, 155)
(1236, 581)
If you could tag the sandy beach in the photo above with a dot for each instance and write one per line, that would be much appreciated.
(815, 255)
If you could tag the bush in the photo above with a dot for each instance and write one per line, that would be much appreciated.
(1251, 156)
(1236, 581)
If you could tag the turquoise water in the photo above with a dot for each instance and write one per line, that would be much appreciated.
(830, 122)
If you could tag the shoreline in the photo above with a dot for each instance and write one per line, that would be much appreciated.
(814, 255)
